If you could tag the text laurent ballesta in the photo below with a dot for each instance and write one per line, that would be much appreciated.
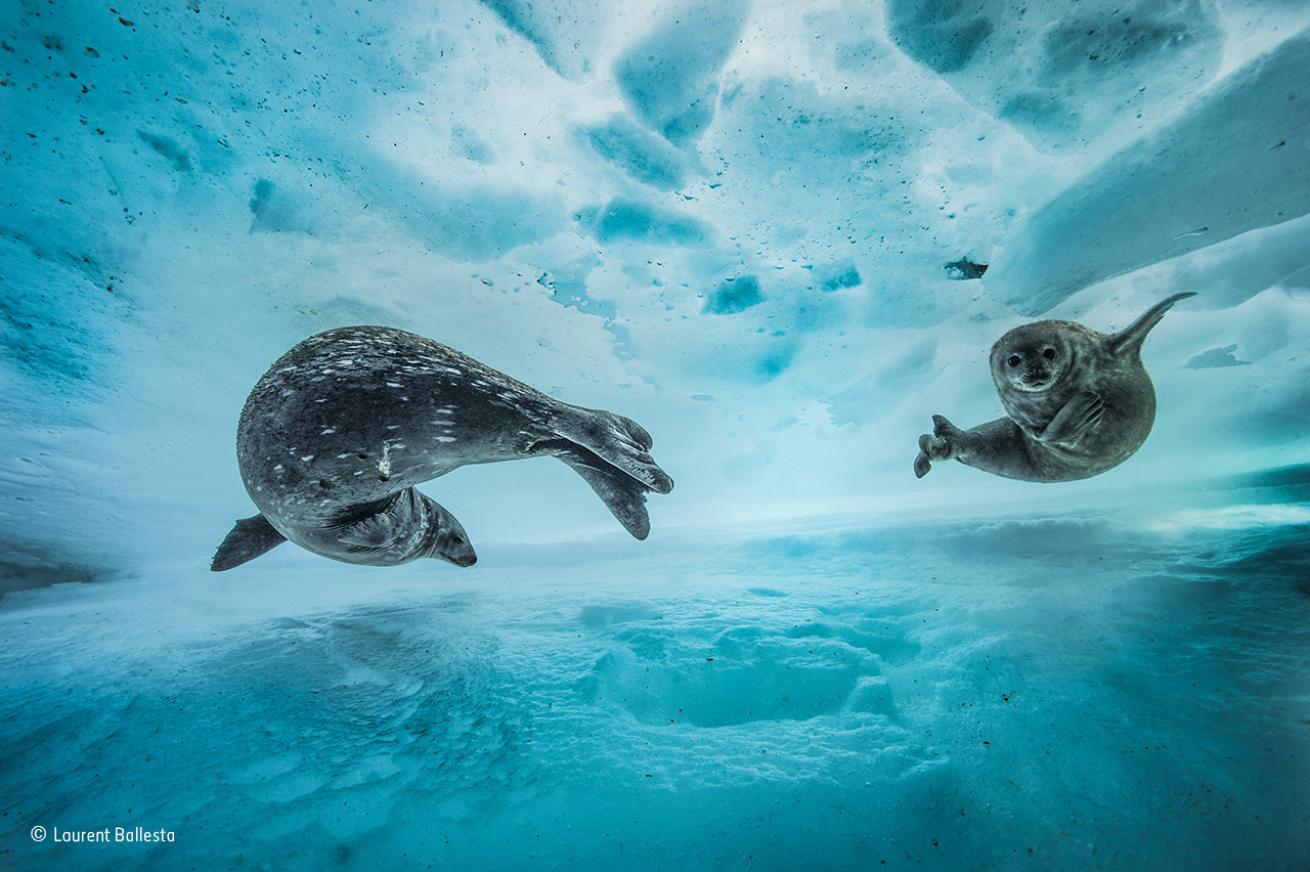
(115, 834)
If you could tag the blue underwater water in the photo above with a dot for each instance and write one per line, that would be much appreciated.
(781, 237)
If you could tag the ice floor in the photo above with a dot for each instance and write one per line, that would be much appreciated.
(1064, 693)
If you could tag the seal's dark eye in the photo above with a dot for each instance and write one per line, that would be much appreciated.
(1014, 360)
(1048, 353)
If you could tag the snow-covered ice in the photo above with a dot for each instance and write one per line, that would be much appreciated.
(1063, 692)
(1249, 139)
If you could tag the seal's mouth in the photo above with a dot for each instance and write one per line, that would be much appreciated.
(459, 553)
(1035, 381)
(448, 541)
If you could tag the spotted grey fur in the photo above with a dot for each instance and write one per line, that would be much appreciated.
(335, 437)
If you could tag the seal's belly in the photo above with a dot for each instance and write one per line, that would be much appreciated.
(1061, 463)
(1124, 426)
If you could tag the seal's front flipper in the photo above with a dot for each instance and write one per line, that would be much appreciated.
(1131, 337)
(930, 448)
(618, 441)
(373, 527)
(250, 538)
(1078, 418)
(944, 429)
(941, 445)
(622, 494)
(922, 462)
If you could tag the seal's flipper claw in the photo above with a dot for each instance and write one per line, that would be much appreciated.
(250, 538)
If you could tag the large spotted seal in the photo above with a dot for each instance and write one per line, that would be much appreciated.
(335, 436)
(1078, 403)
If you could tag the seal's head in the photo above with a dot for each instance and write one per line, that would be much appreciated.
(446, 539)
(405, 526)
(1032, 358)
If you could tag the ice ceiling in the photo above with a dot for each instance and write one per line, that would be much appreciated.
(731, 221)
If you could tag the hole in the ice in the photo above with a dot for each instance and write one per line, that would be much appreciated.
(877, 636)
(773, 679)
(622, 613)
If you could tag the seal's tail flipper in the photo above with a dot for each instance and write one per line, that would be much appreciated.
(250, 538)
(1130, 338)
(622, 494)
(618, 441)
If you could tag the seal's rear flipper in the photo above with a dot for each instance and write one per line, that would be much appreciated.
(625, 498)
(250, 538)
(618, 441)
(622, 494)
(1130, 338)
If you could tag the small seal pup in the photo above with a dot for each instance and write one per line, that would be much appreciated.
(1078, 402)
(335, 436)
